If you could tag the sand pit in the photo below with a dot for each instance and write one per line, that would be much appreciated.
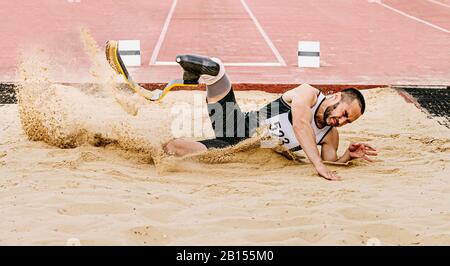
(86, 163)
(108, 195)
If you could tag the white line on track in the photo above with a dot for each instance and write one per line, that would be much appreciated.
(438, 3)
(410, 16)
(153, 60)
(163, 33)
(263, 33)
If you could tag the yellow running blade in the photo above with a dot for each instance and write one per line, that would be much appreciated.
(160, 94)
(115, 61)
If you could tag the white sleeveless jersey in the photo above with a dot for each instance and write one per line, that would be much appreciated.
(281, 127)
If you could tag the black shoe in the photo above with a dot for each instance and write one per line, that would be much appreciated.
(195, 65)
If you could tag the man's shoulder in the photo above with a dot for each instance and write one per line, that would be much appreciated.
(308, 88)
(304, 91)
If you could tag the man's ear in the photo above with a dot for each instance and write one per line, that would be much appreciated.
(337, 96)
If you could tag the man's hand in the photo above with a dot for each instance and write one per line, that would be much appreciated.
(361, 150)
(325, 173)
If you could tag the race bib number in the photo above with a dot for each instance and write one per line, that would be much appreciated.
(280, 127)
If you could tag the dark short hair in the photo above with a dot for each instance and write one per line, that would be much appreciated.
(351, 94)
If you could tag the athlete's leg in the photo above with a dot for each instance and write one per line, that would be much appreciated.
(223, 110)
(210, 70)
(181, 147)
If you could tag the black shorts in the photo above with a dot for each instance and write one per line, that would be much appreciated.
(231, 125)
(228, 122)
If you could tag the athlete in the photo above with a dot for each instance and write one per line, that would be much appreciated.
(301, 119)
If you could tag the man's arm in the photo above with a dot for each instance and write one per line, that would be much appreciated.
(301, 120)
(355, 150)
(330, 146)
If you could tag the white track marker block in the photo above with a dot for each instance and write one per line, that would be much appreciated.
(308, 54)
(130, 52)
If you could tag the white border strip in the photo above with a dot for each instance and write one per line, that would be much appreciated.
(263, 33)
(250, 64)
(162, 36)
(412, 17)
(438, 3)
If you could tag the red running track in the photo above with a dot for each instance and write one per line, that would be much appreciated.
(362, 42)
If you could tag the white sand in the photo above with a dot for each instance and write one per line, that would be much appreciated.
(128, 193)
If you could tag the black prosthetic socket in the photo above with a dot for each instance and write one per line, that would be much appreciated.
(195, 65)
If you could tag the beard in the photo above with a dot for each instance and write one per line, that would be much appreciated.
(328, 111)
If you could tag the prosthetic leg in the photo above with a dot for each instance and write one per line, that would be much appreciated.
(190, 76)
(195, 66)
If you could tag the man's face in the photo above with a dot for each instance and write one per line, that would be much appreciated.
(341, 113)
